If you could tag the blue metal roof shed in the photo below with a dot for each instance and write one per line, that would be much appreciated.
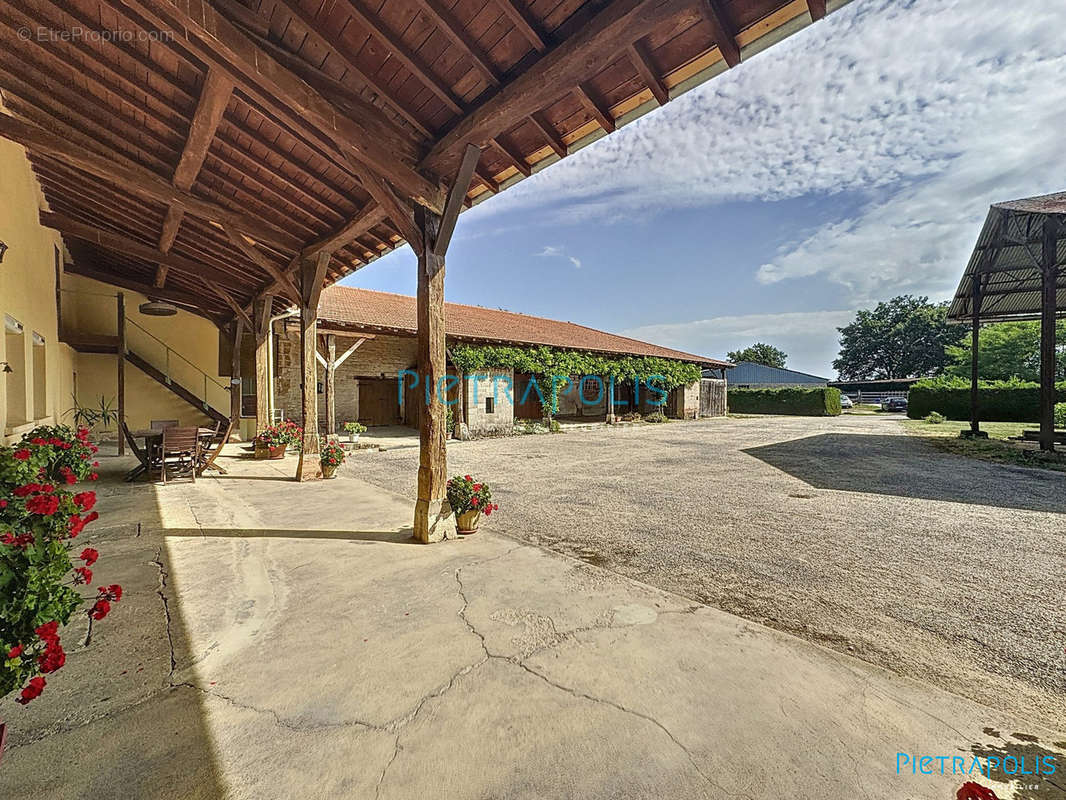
(750, 374)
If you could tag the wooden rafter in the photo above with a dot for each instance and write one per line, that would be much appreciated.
(194, 302)
(638, 54)
(229, 301)
(447, 24)
(525, 22)
(454, 203)
(364, 219)
(411, 61)
(816, 8)
(117, 170)
(281, 280)
(219, 43)
(511, 155)
(599, 112)
(108, 240)
(555, 141)
(722, 29)
(593, 48)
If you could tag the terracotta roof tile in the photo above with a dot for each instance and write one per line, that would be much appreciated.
(363, 308)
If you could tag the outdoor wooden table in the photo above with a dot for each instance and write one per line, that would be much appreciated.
(154, 439)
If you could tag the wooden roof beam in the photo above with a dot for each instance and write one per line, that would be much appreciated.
(281, 281)
(599, 112)
(338, 51)
(723, 30)
(118, 243)
(455, 31)
(512, 155)
(411, 60)
(555, 142)
(525, 22)
(229, 301)
(173, 295)
(364, 219)
(117, 170)
(641, 59)
(817, 9)
(371, 139)
(590, 50)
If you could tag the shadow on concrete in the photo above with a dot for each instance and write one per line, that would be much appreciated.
(400, 536)
(904, 466)
(1027, 755)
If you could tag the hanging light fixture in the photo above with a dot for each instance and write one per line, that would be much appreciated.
(157, 308)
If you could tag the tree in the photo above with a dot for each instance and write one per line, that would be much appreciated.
(1007, 350)
(905, 337)
(760, 353)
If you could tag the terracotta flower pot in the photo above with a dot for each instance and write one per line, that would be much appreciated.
(467, 522)
(329, 470)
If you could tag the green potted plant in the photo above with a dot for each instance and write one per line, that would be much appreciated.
(272, 442)
(331, 456)
(469, 499)
(353, 429)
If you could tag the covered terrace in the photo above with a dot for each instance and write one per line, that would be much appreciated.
(1018, 272)
(236, 156)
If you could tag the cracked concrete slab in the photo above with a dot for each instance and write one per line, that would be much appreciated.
(312, 650)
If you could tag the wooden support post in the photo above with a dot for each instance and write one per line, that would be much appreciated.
(610, 400)
(121, 364)
(331, 387)
(1049, 289)
(975, 344)
(235, 377)
(312, 273)
(261, 310)
(432, 512)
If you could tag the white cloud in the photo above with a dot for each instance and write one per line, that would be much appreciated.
(932, 109)
(810, 338)
(553, 251)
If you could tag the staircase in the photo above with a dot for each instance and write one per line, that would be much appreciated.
(147, 342)
(187, 395)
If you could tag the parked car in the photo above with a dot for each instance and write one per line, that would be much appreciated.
(894, 404)
(845, 402)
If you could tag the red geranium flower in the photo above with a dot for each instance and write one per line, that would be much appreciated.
(83, 575)
(32, 690)
(45, 505)
(48, 630)
(15, 651)
(85, 500)
(89, 556)
(22, 455)
(93, 476)
(100, 609)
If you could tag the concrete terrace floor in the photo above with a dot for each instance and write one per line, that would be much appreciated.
(279, 640)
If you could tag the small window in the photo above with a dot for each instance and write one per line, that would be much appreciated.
(490, 405)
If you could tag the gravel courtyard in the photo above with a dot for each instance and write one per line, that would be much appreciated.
(845, 531)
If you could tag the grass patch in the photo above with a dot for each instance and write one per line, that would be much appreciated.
(945, 436)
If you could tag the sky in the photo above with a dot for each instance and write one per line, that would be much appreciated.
(852, 162)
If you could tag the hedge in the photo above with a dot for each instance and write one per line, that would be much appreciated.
(998, 401)
(823, 401)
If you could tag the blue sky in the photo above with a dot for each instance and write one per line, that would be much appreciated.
(852, 162)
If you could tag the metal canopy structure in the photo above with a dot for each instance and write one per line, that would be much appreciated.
(1018, 272)
(235, 156)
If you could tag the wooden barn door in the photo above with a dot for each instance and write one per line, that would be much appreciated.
(378, 402)
(712, 397)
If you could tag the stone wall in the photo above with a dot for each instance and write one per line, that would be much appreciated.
(497, 387)
(380, 357)
(684, 402)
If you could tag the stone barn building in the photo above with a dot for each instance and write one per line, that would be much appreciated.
(371, 338)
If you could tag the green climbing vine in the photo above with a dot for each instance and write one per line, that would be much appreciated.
(550, 362)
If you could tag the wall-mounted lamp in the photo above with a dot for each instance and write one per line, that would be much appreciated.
(7, 367)
(3, 249)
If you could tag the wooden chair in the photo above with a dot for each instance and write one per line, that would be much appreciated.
(180, 452)
(145, 464)
(210, 451)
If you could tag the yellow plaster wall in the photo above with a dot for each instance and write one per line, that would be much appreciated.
(27, 293)
(193, 342)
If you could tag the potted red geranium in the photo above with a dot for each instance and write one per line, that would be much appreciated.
(469, 499)
(41, 513)
(273, 441)
(330, 457)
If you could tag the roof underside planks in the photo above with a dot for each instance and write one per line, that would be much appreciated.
(1008, 258)
(273, 120)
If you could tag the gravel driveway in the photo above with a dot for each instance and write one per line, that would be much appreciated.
(845, 531)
